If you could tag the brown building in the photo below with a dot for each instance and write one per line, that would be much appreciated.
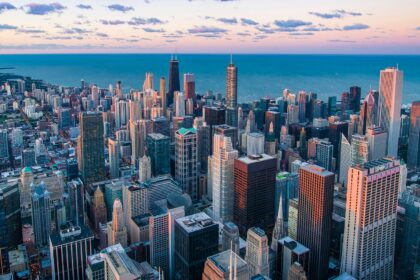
(316, 188)
(255, 181)
(98, 209)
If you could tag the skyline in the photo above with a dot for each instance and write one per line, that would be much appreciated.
(211, 26)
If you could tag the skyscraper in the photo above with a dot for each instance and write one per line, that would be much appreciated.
(41, 214)
(90, 147)
(377, 139)
(189, 86)
(114, 157)
(302, 106)
(117, 232)
(413, 155)
(173, 80)
(232, 95)
(225, 265)
(355, 93)
(196, 238)
(324, 154)
(76, 194)
(230, 237)
(368, 113)
(4, 144)
(316, 188)
(290, 252)
(186, 160)
(69, 248)
(10, 217)
(371, 215)
(158, 148)
(222, 164)
(98, 209)
(255, 182)
(162, 93)
(122, 113)
(257, 252)
(390, 97)
(145, 169)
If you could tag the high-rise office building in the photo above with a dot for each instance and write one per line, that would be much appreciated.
(114, 149)
(290, 252)
(162, 93)
(173, 80)
(368, 113)
(214, 115)
(122, 113)
(135, 202)
(346, 160)
(117, 232)
(76, 194)
(255, 182)
(196, 238)
(316, 188)
(186, 161)
(145, 169)
(302, 106)
(222, 164)
(377, 141)
(255, 143)
(98, 210)
(28, 157)
(413, 155)
(232, 95)
(4, 144)
(90, 147)
(359, 149)
(230, 237)
(41, 214)
(228, 131)
(371, 215)
(69, 248)
(189, 86)
(158, 148)
(355, 94)
(390, 98)
(257, 252)
(10, 217)
(179, 101)
(224, 266)
(334, 135)
(324, 154)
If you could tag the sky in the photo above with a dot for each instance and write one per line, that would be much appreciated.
(210, 26)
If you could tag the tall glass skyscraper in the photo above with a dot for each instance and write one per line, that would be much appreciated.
(173, 79)
(390, 98)
(232, 95)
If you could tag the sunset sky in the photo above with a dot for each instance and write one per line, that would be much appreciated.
(210, 26)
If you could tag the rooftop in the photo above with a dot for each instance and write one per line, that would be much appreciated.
(222, 260)
(157, 136)
(195, 222)
(255, 158)
(293, 245)
(317, 170)
(69, 234)
(186, 131)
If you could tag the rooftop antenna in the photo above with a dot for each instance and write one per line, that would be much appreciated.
(231, 58)
(397, 66)
(235, 269)
(230, 262)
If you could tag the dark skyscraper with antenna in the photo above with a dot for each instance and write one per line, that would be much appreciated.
(173, 79)
(232, 94)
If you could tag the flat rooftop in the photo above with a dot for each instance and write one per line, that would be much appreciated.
(255, 158)
(195, 222)
(295, 246)
(321, 171)
(222, 260)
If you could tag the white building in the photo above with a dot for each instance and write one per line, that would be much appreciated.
(371, 216)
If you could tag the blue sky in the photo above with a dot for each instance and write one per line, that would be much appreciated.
(210, 26)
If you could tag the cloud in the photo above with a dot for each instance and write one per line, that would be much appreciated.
(418, 28)
(291, 23)
(84, 7)
(7, 27)
(208, 35)
(120, 8)
(30, 31)
(228, 20)
(356, 26)
(341, 41)
(344, 12)
(247, 21)
(206, 29)
(112, 22)
(153, 30)
(44, 9)
(335, 14)
(326, 15)
(76, 30)
(301, 33)
(266, 30)
(103, 35)
(144, 21)
(243, 34)
(4, 6)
